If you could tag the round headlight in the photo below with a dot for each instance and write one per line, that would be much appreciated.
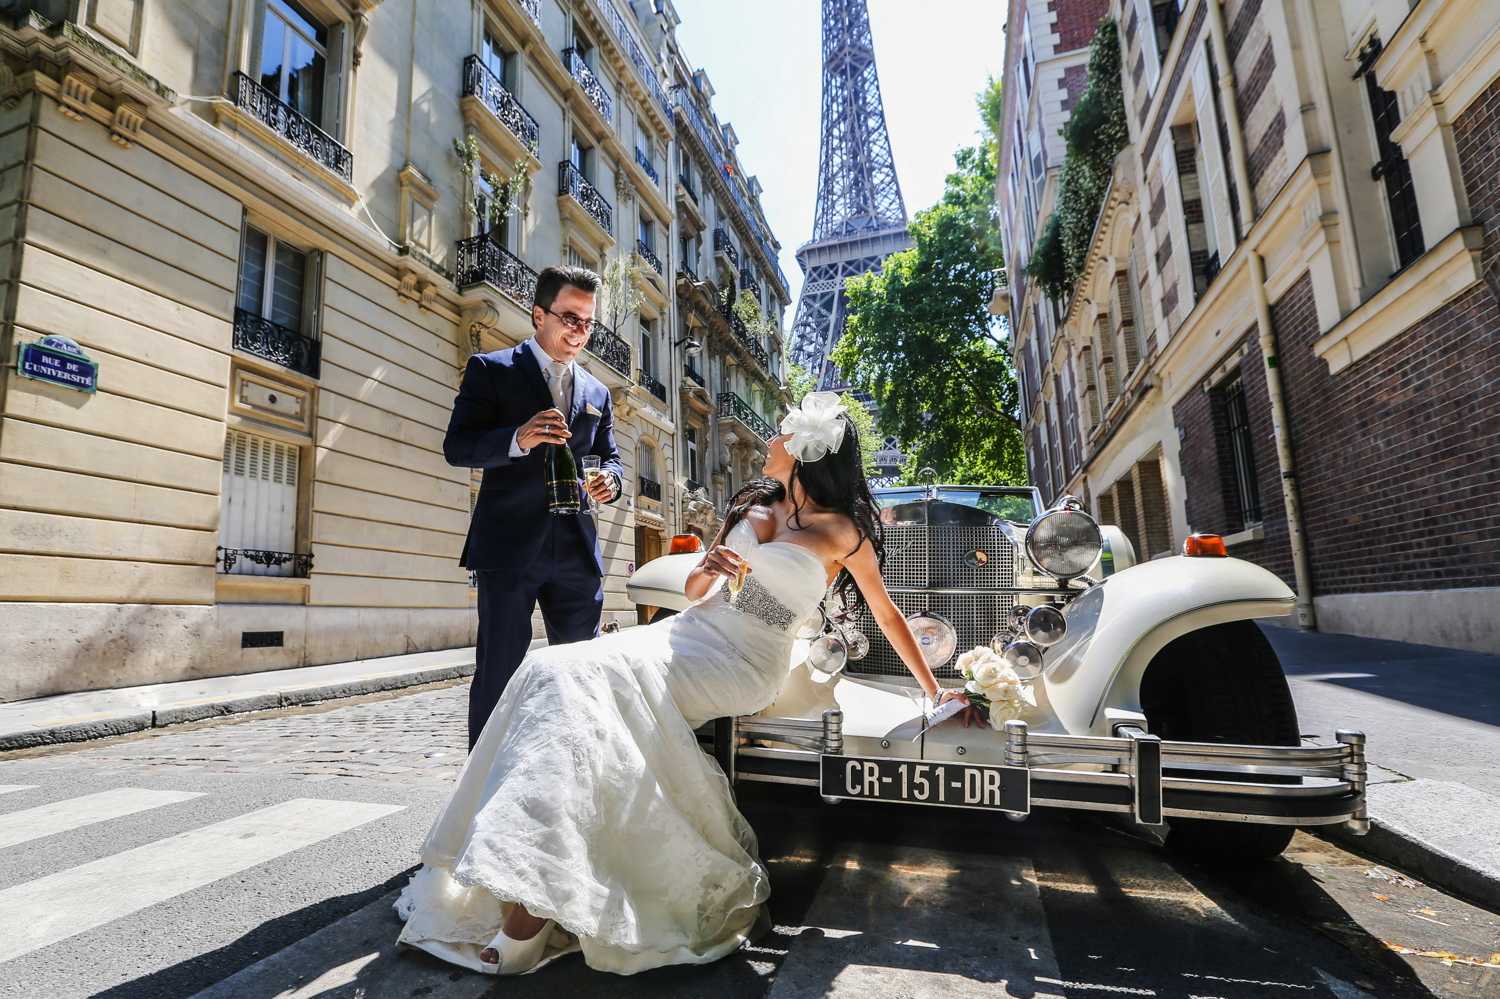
(1064, 542)
(935, 637)
(828, 655)
(1045, 625)
(1025, 658)
(859, 644)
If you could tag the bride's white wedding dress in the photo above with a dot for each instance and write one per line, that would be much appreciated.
(588, 800)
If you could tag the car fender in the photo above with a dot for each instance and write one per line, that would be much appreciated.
(1115, 628)
(662, 581)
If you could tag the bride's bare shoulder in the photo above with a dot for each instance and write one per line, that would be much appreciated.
(763, 520)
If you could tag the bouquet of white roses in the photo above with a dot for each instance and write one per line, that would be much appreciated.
(993, 687)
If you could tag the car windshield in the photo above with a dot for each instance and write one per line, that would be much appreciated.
(1013, 506)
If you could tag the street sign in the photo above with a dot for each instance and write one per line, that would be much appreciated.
(60, 361)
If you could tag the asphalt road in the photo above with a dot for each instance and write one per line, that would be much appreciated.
(258, 855)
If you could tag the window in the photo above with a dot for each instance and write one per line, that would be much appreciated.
(490, 215)
(496, 58)
(581, 156)
(692, 454)
(276, 305)
(647, 234)
(1242, 493)
(1164, 17)
(1391, 167)
(648, 348)
(294, 57)
(258, 519)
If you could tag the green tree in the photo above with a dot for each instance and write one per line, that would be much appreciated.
(798, 382)
(921, 340)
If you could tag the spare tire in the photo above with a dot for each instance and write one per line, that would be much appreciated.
(1222, 684)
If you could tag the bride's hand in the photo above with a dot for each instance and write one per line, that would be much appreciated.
(969, 715)
(724, 561)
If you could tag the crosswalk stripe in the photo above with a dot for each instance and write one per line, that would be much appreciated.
(8, 788)
(82, 898)
(75, 813)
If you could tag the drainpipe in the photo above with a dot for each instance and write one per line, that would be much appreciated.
(1306, 618)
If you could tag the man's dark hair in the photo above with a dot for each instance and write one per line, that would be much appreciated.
(552, 280)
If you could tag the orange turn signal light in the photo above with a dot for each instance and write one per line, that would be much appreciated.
(685, 544)
(1204, 546)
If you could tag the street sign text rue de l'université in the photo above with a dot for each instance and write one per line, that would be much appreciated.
(60, 361)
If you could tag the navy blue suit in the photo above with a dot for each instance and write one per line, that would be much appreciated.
(523, 555)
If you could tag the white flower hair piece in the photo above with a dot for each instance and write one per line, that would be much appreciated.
(816, 428)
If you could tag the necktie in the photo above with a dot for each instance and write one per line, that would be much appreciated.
(556, 382)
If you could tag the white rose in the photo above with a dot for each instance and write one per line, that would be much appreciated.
(987, 674)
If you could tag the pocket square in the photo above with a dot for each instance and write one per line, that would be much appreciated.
(589, 410)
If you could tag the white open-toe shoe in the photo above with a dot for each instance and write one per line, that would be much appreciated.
(518, 957)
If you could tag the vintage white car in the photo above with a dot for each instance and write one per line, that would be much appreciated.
(1156, 695)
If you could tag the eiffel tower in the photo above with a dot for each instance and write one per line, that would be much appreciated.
(860, 217)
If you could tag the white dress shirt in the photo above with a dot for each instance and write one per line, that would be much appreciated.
(559, 378)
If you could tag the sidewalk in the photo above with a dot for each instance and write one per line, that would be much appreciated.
(1431, 717)
(97, 713)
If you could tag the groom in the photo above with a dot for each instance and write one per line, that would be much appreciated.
(509, 403)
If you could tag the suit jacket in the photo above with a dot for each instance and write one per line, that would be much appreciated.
(500, 391)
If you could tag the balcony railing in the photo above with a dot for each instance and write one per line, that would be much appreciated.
(732, 407)
(296, 565)
(645, 164)
(571, 182)
(694, 375)
(481, 83)
(686, 269)
(606, 345)
(742, 334)
(276, 343)
(652, 385)
(636, 56)
(287, 122)
(748, 282)
(717, 154)
(687, 185)
(481, 260)
(650, 488)
(648, 255)
(592, 88)
(723, 245)
(693, 486)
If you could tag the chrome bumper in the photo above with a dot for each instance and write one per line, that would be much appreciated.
(1133, 776)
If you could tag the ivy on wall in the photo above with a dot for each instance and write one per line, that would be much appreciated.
(1095, 134)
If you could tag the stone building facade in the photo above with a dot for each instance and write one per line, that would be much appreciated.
(1285, 331)
(278, 228)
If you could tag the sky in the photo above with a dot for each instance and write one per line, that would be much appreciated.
(764, 59)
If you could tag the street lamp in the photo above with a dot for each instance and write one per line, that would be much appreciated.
(693, 345)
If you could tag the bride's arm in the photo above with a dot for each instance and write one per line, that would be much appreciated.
(717, 561)
(865, 569)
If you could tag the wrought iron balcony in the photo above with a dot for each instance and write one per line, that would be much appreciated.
(694, 375)
(687, 185)
(606, 345)
(481, 260)
(637, 57)
(652, 385)
(646, 165)
(724, 246)
(648, 255)
(747, 340)
(694, 486)
(289, 123)
(276, 343)
(298, 565)
(571, 182)
(686, 270)
(650, 489)
(748, 282)
(592, 88)
(481, 83)
(732, 407)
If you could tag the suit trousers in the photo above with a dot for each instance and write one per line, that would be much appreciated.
(564, 579)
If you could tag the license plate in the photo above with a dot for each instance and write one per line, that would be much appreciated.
(950, 785)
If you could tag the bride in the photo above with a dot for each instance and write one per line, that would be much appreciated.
(587, 817)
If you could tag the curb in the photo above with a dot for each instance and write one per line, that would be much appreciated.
(1436, 867)
(191, 711)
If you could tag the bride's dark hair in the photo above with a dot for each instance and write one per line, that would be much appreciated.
(834, 482)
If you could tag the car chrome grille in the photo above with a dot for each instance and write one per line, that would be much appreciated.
(923, 557)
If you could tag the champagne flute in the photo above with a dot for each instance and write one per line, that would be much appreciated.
(737, 581)
(592, 469)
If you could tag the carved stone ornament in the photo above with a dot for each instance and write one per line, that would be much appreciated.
(76, 94)
(127, 123)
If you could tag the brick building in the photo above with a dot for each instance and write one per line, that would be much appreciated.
(252, 216)
(1287, 328)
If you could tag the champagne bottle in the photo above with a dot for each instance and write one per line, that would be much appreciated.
(563, 495)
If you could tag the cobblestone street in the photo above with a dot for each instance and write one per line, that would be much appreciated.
(867, 899)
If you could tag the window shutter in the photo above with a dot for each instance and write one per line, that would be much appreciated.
(1214, 186)
(259, 499)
